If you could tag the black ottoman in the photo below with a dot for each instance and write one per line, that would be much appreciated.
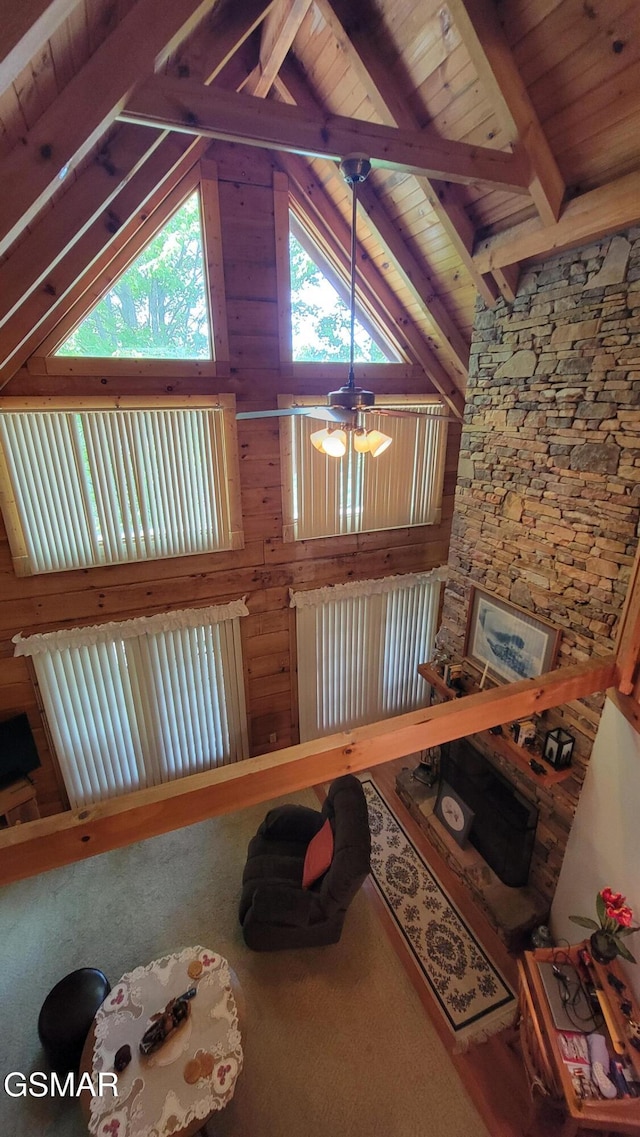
(67, 1014)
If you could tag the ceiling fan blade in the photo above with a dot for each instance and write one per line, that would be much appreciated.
(330, 414)
(275, 414)
(396, 414)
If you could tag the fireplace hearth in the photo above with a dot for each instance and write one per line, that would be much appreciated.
(512, 911)
(504, 826)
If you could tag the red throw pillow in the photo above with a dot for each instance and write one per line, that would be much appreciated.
(318, 856)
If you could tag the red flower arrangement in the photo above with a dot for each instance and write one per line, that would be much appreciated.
(615, 921)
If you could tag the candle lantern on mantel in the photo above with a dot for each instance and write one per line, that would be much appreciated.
(558, 748)
(428, 769)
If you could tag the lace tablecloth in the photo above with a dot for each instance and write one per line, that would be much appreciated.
(162, 1094)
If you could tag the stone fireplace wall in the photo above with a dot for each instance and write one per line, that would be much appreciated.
(548, 494)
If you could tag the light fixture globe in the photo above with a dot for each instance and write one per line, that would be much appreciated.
(378, 443)
(361, 441)
(336, 443)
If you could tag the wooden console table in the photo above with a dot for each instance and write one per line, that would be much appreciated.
(546, 1070)
(18, 803)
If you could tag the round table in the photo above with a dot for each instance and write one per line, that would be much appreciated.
(193, 1075)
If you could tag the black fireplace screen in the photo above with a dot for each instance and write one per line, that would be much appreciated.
(504, 826)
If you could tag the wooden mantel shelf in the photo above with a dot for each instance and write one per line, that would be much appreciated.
(501, 743)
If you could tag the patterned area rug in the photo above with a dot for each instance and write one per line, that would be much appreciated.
(473, 996)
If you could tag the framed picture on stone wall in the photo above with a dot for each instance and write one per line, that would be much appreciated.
(506, 640)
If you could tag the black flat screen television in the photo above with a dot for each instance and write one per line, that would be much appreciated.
(18, 754)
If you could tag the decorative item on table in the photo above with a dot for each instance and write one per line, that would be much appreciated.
(523, 732)
(163, 1024)
(122, 1058)
(558, 748)
(541, 937)
(615, 917)
(428, 769)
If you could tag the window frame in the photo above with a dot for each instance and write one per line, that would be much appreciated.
(286, 460)
(225, 402)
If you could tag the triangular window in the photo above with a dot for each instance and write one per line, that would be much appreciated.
(320, 321)
(158, 308)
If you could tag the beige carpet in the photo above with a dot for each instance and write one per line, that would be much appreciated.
(337, 1042)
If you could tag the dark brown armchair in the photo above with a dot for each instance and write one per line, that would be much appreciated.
(275, 910)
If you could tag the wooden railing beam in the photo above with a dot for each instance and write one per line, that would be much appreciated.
(75, 835)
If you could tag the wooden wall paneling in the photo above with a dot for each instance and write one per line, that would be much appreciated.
(81, 113)
(214, 260)
(283, 271)
(40, 845)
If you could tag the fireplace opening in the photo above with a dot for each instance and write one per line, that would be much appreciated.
(504, 826)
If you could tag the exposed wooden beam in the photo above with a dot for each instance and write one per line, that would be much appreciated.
(585, 218)
(193, 109)
(278, 33)
(314, 198)
(414, 275)
(478, 24)
(629, 707)
(352, 33)
(25, 28)
(37, 846)
(56, 231)
(86, 107)
(507, 280)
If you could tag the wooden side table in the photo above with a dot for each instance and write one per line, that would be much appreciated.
(18, 803)
(546, 1070)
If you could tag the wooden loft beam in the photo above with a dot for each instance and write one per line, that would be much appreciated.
(25, 27)
(90, 196)
(586, 218)
(486, 43)
(278, 33)
(354, 40)
(507, 279)
(86, 107)
(186, 106)
(313, 199)
(37, 846)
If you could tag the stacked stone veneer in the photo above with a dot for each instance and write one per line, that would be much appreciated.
(548, 495)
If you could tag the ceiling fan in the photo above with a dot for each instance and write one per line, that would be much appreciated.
(344, 407)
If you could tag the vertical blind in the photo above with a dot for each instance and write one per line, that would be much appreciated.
(142, 702)
(359, 646)
(95, 487)
(358, 493)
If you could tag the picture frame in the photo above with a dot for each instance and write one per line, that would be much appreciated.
(454, 813)
(506, 641)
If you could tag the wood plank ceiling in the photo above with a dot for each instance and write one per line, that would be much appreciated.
(545, 91)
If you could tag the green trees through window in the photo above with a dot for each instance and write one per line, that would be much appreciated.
(320, 319)
(158, 308)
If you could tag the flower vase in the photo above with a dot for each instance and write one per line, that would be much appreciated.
(603, 947)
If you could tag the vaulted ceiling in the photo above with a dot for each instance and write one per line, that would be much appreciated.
(498, 132)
